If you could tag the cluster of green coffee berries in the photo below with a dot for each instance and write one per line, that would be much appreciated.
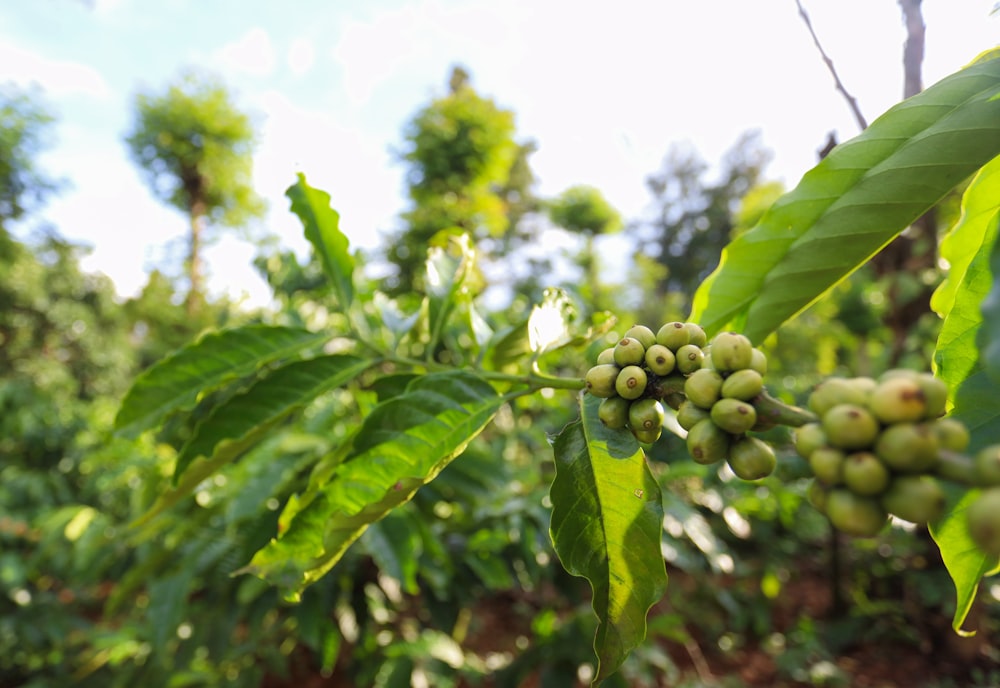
(875, 450)
(717, 411)
(631, 377)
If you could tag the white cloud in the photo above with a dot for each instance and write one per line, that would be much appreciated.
(301, 55)
(57, 77)
(252, 54)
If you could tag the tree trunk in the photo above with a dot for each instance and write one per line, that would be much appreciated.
(196, 286)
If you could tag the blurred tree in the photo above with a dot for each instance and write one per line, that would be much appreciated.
(195, 149)
(466, 171)
(691, 219)
(23, 122)
(584, 210)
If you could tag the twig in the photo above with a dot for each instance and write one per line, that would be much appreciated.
(851, 100)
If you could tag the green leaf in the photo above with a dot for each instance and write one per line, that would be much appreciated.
(607, 518)
(550, 323)
(322, 229)
(855, 201)
(967, 249)
(402, 445)
(989, 332)
(395, 545)
(240, 422)
(977, 406)
(175, 383)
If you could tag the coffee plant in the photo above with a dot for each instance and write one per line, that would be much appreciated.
(429, 374)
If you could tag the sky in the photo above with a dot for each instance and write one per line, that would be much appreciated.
(331, 84)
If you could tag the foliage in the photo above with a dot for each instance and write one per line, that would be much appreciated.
(23, 126)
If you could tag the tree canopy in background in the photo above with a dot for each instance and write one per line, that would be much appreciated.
(195, 149)
(24, 124)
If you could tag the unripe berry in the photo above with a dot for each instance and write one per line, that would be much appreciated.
(689, 358)
(733, 415)
(834, 391)
(935, 394)
(698, 336)
(631, 382)
(914, 498)
(850, 427)
(689, 413)
(751, 458)
(731, 351)
(645, 414)
(629, 351)
(606, 356)
(951, 434)
(703, 388)
(673, 335)
(660, 359)
(987, 466)
(898, 399)
(864, 474)
(853, 514)
(758, 362)
(827, 465)
(645, 335)
(647, 436)
(601, 379)
(983, 518)
(816, 494)
(809, 438)
(743, 384)
(613, 412)
(908, 447)
(707, 442)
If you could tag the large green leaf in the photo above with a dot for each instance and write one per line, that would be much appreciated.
(402, 445)
(239, 423)
(989, 333)
(856, 200)
(322, 229)
(967, 249)
(607, 518)
(976, 405)
(175, 383)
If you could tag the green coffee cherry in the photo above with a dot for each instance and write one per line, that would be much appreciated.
(864, 474)
(816, 494)
(751, 458)
(613, 412)
(951, 434)
(731, 351)
(606, 356)
(660, 359)
(689, 413)
(758, 362)
(853, 514)
(827, 465)
(935, 394)
(647, 436)
(600, 380)
(673, 335)
(833, 391)
(987, 466)
(914, 498)
(983, 518)
(646, 414)
(743, 384)
(703, 388)
(697, 334)
(707, 443)
(645, 335)
(809, 438)
(631, 382)
(899, 399)
(689, 358)
(848, 426)
(908, 447)
(733, 415)
(629, 351)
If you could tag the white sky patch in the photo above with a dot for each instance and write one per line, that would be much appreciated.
(301, 55)
(252, 54)
(57, 77)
